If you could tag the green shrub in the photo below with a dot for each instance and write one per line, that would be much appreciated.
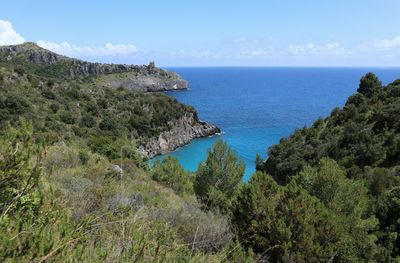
(170, 173)
(219, 178)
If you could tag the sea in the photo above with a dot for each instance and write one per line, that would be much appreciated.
(256, 107)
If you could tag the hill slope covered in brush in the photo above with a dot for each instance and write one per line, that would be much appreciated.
(36, 84)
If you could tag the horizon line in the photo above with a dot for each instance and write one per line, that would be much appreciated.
(388, 67)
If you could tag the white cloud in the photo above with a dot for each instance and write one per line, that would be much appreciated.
(8, 36)
(109, 49)
(388, 43)
(313, 49)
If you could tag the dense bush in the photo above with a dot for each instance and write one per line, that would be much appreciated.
(170, 173)
(219, 178)
(363, 139)
(317, 217)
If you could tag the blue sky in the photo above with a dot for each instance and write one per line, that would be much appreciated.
(211, 32)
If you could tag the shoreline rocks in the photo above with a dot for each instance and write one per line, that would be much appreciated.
(183, 131)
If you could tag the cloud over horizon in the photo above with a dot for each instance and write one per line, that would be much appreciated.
(8, 36)
(109, 49)
(268, 51)
(388, 43)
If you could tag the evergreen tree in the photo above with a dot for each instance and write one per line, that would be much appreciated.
(170, 173)
(369, 85)
(219, 177)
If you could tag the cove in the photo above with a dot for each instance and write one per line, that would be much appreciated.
(256, 107)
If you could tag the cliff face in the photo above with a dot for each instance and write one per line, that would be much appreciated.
(182, 132)
(40, 61)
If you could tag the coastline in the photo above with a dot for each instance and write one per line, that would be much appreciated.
(183, 132)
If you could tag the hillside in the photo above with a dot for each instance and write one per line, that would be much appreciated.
(365, 133)
(35, 85)
(74, 186)
(39, 61)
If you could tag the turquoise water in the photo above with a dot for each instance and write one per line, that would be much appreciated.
(256, 107)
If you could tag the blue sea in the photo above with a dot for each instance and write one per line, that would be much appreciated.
(256, 107)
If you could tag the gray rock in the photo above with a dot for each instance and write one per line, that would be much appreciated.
(117, 170)
(182, 132)
(137, 77)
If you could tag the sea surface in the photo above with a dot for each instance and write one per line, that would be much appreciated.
(256, 107)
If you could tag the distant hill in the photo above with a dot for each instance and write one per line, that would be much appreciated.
(37, 60)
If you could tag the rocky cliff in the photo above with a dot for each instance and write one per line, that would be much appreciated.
(182, 132)
(37, 60)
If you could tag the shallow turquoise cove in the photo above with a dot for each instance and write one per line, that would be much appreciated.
(256, 107)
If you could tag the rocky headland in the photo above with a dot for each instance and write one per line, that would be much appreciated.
(35, 59)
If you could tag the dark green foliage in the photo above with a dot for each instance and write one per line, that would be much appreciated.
(366, 132)
(16, 104)
(369, 85)
(219, 178)
(389, 218)
(88, 121)
(364, 140)
(283, 225)
(317, 217)
(170, 173)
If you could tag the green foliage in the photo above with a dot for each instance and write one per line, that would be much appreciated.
(389, 218)
(363, 138)
(69, 207)
(19, 173)
(74, 110)
(29, 229)
(329, 184)
(91, 198)
(347, 199)
(170, 173)
(335, 197)
(365, 133)
(219, 178)
(290, 223)
(369, 85)
(283, 225)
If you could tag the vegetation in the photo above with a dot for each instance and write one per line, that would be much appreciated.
(171, 174)
(349, 164)
(101, 119)
(219, 178)
(67, 208)
(289, 224)
(73, 187)
(365, 134)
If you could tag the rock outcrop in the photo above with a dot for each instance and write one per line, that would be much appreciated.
(182, 132)
(49, 64)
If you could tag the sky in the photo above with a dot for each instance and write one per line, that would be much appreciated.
(211, 32)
